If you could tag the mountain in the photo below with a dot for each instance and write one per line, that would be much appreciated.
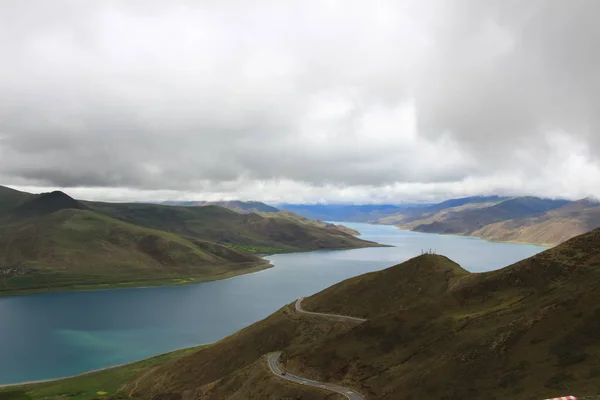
(346, 212)
(55, 242)
(380, 213)
(410, 218)
(266, 233)
(51, 241)
(45, 203)
(247, 207)
(242, 207)
(549, 228)
(518, 219)
(10, 198)
(469, 220)
(320, 224)
(530, 330)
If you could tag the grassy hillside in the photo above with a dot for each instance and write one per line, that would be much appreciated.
(54, 242)
(74, 248)
(107, 382)
(242, 207)
(10, 198)
(333, 228)
(269, 234)
(345, 212)
(530, 330)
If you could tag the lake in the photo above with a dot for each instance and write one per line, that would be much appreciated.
(60, 334)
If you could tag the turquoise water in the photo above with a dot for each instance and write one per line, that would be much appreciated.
(60, 334)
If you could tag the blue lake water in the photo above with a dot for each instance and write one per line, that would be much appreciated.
(60, 334)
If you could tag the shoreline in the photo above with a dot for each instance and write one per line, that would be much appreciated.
(261, 266)
(545, 245)
(63, 378)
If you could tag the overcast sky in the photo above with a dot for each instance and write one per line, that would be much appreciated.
(300, 101)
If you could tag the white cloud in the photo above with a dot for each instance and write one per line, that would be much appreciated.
(300, 101)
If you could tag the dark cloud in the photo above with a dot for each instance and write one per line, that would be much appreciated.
(301, 100)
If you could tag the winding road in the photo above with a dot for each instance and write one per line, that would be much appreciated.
(334, 317)
(273, 359)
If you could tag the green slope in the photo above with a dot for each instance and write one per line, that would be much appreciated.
(49, 243)
(10, 198)
(530, 330)
(267, 234)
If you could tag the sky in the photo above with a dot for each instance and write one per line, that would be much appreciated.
(300, 101)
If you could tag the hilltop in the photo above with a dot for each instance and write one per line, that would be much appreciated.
(434, 330)
(264, 233)
(51, 241)
(265, 210)
(242, 207)
(76, 248)
(10, 198)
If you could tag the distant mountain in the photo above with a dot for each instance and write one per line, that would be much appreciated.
(380, 213)
(242, 207)
(521, 219)
(10, 198)
(549, 228)
(46, 203)
(346, 212)
(250, 232)
(467, 221)
(248, 207)
(434, 331)
(52, 241)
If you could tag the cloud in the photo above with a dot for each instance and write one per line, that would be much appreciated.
(300, 101)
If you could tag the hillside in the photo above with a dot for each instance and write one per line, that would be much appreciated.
(242, 207)
(267, 233)
(381, 213)
(530, 330)
(66, 248)
(10, 198)
(467, 221)
(550, 228)
(51, 241)
(345, 212)
(256, 207)
(334, 228)
(519, 219)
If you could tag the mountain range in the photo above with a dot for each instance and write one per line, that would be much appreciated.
(516, 219)
(51, 241)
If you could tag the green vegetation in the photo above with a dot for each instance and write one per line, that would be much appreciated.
(224, 226)
(255, 249)
(104, 383)
(530, 330)
(75, 249)
(53, 242)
